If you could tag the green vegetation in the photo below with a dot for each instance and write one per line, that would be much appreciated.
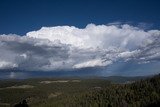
(144, 93)
(95, 92)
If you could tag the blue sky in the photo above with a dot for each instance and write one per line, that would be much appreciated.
(22, 16)
(97, 37)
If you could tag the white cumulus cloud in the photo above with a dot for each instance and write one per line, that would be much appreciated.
(69, 47)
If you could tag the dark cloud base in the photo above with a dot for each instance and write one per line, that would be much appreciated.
(117, 69)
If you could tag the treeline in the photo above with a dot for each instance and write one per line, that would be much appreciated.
(144, 93)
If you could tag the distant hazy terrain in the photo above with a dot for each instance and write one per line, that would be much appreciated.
(82, 92)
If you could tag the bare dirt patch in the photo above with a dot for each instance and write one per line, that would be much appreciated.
(75, 81)
(58, 81)
(52, 95)
(18, 87)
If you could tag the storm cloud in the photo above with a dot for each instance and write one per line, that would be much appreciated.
(69, 47)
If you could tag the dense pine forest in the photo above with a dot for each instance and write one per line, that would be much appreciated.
(144, 93)
(76, 92)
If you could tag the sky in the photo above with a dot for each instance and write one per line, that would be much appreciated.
(22, 16)
(96, 37)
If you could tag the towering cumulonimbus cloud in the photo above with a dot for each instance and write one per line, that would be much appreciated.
(69, 47)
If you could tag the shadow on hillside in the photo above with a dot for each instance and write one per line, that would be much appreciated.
(154, 105)
(22, 104)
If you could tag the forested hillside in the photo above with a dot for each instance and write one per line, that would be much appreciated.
(78, 92)
(144, 93)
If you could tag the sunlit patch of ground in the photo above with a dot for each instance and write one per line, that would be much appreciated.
(52, 95)
(58, 81)
(75, 81)
(18, 87)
